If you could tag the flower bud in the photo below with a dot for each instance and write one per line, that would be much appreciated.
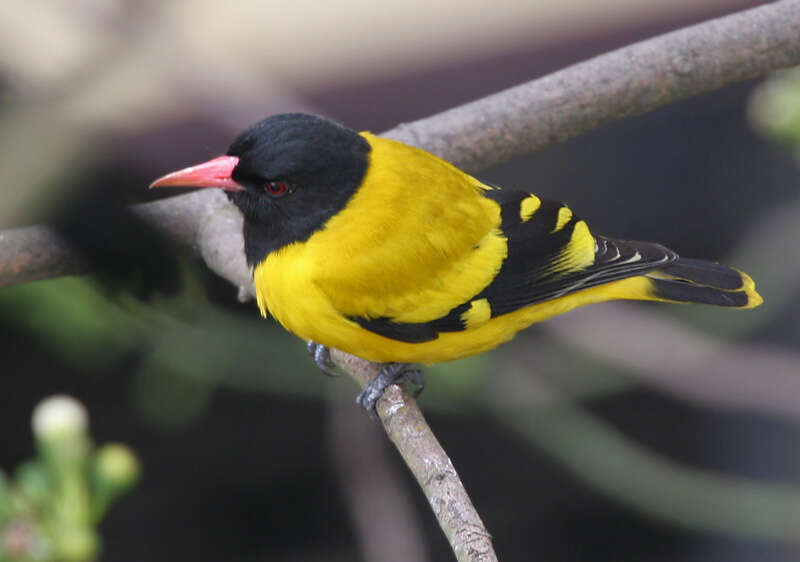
(59, 416)
(115, 470)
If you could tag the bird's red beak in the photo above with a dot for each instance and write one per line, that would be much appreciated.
(214, 173)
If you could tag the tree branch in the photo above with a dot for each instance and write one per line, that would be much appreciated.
(36, 252)
(382, 513)
(407, 429)
(626, 82)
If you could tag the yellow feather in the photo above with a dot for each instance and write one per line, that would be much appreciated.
(477, 315)
(749, 287)
(529, 206)
(578, 254)
(564, 214)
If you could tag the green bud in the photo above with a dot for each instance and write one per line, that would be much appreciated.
(60, 425)
(775, 106)
(115, 470)
(116, 463)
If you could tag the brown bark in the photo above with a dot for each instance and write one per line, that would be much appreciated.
(629, 81)
(407, 429)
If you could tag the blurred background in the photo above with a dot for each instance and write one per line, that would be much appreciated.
(621, 432)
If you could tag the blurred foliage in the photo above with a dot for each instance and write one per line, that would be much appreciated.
(775, 108)
(50, 509)
(594, 451)
(186, 346)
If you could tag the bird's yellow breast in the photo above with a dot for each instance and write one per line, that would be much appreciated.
(415, 240)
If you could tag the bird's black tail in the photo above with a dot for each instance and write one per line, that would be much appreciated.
(697, 281)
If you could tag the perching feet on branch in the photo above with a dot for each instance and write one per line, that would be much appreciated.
(389, 374)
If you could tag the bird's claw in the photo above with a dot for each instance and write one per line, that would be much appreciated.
(389, 374)
(322, 357)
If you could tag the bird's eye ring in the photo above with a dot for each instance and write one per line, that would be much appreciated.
(276, 188)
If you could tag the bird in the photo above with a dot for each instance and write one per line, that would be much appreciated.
(390, 253)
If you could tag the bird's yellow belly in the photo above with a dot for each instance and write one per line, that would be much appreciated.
(285, 289)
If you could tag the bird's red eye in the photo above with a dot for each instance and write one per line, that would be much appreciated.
(276, 188)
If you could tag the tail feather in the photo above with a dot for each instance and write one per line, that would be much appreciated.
(697, 281)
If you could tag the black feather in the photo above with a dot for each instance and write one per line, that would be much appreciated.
(682, 291)
(700, 282)
(705, 273)
(400, 331)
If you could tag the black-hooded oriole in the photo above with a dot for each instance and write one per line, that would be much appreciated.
(392, 254)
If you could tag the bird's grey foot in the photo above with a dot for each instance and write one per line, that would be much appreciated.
(322, 357)
(389, 374)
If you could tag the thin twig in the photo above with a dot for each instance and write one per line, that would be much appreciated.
(407, 429)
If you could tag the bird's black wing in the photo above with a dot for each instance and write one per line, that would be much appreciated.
(551, 253)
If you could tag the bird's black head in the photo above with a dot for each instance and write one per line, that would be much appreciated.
(288, 174)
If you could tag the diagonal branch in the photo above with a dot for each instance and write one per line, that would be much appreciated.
(625, 82)
(407, 429)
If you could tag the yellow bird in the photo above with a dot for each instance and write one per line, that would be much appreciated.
(387, 252)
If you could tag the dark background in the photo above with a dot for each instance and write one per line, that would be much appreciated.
(238, 463)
